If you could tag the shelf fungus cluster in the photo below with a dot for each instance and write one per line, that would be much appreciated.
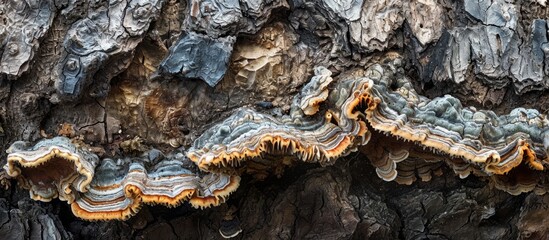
(405, 135)
(509, 149)
(320, 138)
(376, 111)
(114, 189)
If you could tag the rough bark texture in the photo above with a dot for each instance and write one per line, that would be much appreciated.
(125, 76)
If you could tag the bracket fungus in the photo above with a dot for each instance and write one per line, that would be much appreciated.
(115, 189)
(248, 134)
(406, 136)
(316, 91)
(380, 113)
(51, 168)
(120, 187)
(495, 144)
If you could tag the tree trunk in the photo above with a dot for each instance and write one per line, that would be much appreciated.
(160, 85)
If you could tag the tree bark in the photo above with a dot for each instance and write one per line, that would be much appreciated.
(130, 76)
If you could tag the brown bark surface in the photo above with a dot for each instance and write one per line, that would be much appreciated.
(128, 76)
